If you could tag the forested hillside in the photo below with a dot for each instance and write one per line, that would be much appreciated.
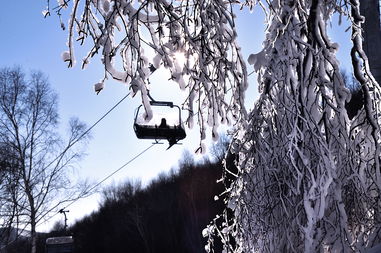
(167, 216)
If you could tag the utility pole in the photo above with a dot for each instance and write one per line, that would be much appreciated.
(370, 9)
(64, 213)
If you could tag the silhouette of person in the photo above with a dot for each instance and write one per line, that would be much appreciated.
(163, 123)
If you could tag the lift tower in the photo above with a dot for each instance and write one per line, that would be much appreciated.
(370, 9)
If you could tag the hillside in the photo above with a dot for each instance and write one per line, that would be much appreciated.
(166, 216)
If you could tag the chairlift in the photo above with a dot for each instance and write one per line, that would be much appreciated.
(61, 244)
(160, 131)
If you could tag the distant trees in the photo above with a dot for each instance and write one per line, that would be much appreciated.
(166, 216)
(357, 96)
(220, 148)
(35, 161)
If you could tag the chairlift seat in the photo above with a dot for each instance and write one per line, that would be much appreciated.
(172, 133)
(159, 133)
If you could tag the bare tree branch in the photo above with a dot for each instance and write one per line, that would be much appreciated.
(34, 186)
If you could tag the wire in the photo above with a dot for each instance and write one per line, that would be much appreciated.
(104, 116)
(88, 130)
(110, 175)
(113, 173)
(100, 182)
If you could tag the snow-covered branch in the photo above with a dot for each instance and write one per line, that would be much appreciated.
(135, 37)
(308, 175)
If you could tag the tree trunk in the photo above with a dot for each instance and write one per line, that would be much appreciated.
(33, 233)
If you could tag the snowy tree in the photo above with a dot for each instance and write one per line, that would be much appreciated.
(308, 176)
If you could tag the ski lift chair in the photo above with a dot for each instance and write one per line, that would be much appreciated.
(61, 244)
(162, 131)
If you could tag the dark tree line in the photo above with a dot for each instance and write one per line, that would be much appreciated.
(167, 216)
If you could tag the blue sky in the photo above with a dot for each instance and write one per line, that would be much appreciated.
(35, 43)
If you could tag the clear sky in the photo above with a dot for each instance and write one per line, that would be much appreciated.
(35, 43)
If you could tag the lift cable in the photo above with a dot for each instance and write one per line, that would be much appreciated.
(108, 176)
(87, 131)
(111, 174)
(89, 191)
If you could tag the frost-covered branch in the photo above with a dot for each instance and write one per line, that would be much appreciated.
(308, 175)
(135, 36)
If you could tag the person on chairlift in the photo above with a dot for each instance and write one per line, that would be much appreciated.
(163, 123)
